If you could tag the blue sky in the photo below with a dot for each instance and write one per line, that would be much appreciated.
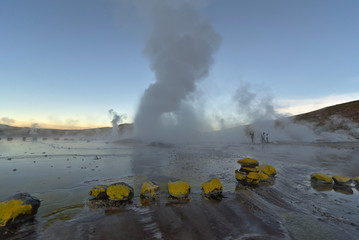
(66, 63)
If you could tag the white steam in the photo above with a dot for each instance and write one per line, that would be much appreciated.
(33, 129)
(180, 50)
(252, 106)
(116, 120)
(7, 120)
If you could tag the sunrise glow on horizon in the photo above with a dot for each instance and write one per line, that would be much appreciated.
(64, 64)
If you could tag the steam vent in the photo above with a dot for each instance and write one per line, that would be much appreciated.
(17, 209)
(253, 174)
(179, 190)
(213, 189)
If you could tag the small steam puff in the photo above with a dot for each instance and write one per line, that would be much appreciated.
(7, 120)
(33, 129)
(251, 107)
(180, 50)
(255, 114)
(116, 119)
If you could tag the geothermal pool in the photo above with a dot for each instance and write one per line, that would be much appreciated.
(61, 173)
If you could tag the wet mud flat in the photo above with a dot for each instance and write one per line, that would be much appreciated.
(62, 172)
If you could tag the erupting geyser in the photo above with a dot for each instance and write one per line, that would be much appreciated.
(180, 50)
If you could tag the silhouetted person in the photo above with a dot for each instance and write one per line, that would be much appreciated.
(263, 137)
(252, 136)
(267, 138)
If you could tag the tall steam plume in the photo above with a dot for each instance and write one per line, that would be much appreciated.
(180, 50)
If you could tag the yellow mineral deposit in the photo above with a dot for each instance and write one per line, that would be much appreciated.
(213, 185)
(267, 169)
(248, 162)
(11, 209)
(149, 188)
(255, 178)
(249, 169)
(322, 178)
(240, 176)
(178, 189)
(342, 180)
(96, 190)
(119, 191)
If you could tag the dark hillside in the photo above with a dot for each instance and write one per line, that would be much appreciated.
(341, 117)
(348, 110)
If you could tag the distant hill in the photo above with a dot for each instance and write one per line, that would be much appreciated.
(348, 110)
(6, 130)
(338, 117)
(343, 116)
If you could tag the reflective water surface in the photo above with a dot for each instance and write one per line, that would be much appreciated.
(61, 173)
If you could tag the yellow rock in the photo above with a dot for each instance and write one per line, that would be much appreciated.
(11, 209)
(322, 178)
(342, 180)
(150, 189)
(179, 189)
(255, 178)
(212, 186)
(249, 169)
(248, 162)
(98, 191)
(356, 180)
(267, 169)
(120, 191)
(240, 176)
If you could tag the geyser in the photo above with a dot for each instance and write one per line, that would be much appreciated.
(180, 50)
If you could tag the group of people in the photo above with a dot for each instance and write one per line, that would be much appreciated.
(264, 137)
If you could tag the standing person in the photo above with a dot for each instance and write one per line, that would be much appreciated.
(252, 136)
(267, 138)
(263, 137)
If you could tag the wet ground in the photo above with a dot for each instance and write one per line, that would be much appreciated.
(61, 173)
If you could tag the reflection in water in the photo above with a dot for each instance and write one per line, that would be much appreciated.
(273, 211)
(343, 189)
(62, 214)
(321, 187)
(146, 202)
